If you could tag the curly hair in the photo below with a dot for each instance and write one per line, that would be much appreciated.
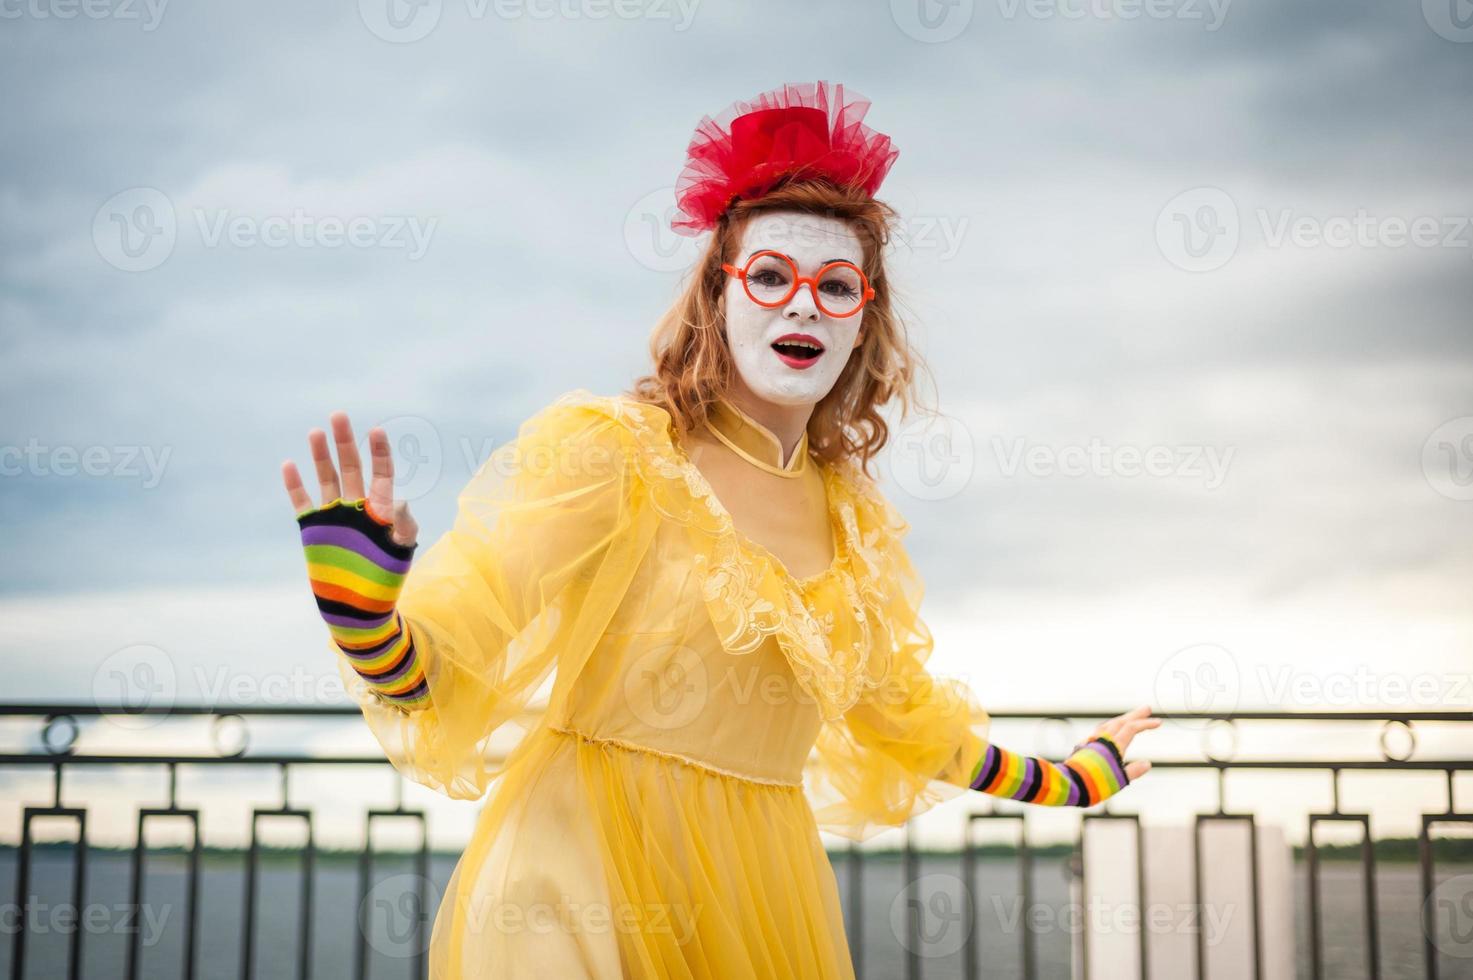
(693, 366)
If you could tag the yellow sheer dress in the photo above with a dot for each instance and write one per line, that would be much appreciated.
(672, 662)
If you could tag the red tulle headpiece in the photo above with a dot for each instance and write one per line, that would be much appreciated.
(806, 128)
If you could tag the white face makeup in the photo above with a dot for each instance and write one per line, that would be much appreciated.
(792, 354)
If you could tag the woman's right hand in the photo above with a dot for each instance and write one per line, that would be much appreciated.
(380, 496)
(359, 550)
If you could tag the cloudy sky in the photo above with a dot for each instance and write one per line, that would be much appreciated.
(1194, 279)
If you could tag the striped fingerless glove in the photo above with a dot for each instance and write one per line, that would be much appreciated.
(357, 571)
(1092, 774)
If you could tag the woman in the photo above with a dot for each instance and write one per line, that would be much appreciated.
(710, 593)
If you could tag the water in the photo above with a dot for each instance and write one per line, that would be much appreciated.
(107, 921)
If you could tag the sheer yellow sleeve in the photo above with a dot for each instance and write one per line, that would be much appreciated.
(913, 740)
(514, 596)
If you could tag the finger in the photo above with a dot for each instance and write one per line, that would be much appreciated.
(1115, 725)
(301, 500)
(349, 465)
(1135, 770)
(327, 477)
(406, 528)
(381, 490)
(1135, 727)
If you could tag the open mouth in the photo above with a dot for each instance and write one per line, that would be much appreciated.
(798, 350)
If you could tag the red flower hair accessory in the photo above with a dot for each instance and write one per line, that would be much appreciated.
(802, 128)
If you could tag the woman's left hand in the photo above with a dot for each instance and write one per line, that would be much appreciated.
(1122, 728)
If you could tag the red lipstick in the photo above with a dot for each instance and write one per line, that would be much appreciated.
(798, 350)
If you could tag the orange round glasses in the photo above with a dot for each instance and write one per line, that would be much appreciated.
(771, 279)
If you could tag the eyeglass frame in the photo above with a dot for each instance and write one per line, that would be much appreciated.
(867, 294)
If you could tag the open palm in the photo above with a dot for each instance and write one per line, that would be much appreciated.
(346, 479)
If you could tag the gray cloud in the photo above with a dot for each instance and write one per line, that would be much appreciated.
(1049, 145)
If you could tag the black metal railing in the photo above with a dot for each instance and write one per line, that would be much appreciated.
(57, 728)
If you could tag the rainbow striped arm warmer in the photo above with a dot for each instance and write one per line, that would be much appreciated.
(357, 571)
(1092, 774)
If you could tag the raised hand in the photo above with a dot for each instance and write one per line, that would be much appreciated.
(349, 487)
(1094, 772)
(1121, 729)
(358, 552)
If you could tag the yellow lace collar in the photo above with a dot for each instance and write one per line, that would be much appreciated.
(833, 628)
(754, 442)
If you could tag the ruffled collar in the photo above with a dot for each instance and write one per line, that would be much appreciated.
(832, 627)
